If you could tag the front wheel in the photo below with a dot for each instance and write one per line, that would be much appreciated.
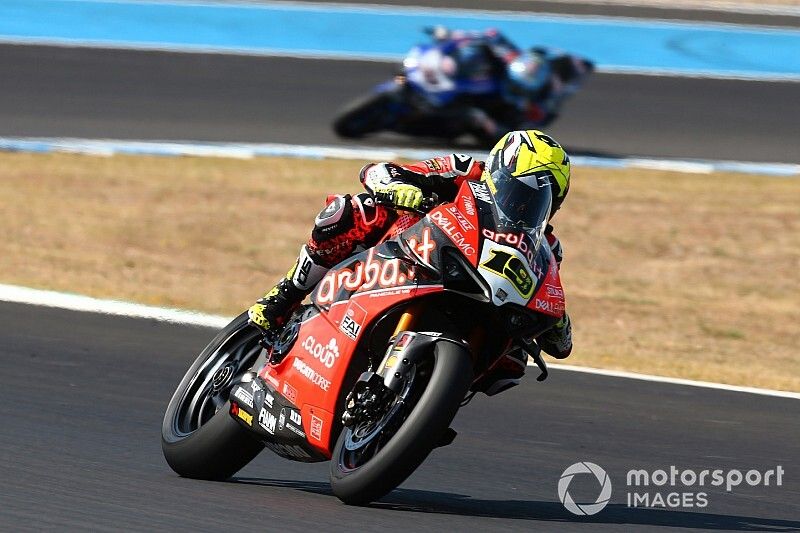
(372, 458)
(198, 436)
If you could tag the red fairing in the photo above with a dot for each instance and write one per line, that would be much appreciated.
(311, 375)
(459, 222)
(549, 299)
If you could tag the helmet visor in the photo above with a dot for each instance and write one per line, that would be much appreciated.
(524, 202)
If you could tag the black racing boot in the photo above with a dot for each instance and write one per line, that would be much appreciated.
(274, 308)
(557, 341)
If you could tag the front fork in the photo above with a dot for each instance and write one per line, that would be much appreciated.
(408, 319)
(388, 381)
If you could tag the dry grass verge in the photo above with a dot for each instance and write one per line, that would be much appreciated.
(683, 275)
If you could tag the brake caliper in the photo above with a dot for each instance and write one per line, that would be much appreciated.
(367, 398)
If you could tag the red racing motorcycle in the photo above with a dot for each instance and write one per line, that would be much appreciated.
(371, 373)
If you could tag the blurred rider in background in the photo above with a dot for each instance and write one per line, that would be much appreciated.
(351, 223)
(522, 90)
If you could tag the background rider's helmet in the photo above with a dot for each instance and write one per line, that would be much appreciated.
(528, 173)
(529, 74)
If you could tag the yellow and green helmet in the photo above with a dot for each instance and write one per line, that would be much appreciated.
(528, 153)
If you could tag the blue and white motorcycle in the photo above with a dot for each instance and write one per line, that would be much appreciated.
(475, 83)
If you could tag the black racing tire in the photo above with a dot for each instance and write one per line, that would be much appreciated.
(214, 447)
(216, 451)
(418, 435)
(363, 116)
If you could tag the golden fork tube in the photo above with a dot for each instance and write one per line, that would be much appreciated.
(406, 321)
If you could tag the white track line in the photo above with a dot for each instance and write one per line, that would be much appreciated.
(75, 302)
(676, 381)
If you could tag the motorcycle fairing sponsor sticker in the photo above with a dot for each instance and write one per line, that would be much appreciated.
(421, 244)
(466, 203)
(290, 392)
(267, 421)
(465, 224)
(291, 421)
(241, 414)
(362, 276)
(310, 374)
(522, 242)
(549, 298)
(326, 353)
(506, 271)
(244, 396)
(481, 191)
(296, 430)
(463, 240)
(316, 428)
(353, 320)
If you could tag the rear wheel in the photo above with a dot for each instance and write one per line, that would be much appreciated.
(198, 436)
(374, 456)
(369, 114)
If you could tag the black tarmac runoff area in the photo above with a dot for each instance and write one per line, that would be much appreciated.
(93, 93)
(82, 396)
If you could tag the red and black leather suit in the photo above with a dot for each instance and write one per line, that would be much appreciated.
(349, 223)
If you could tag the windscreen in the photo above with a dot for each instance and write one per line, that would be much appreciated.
(524, 203)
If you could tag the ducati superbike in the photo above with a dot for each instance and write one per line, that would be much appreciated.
(370, 374)
(436, 94)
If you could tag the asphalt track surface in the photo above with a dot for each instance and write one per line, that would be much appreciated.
(79, 92)
(82, 396)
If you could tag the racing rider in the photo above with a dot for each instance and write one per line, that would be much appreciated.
(520, 89)
(349, 222)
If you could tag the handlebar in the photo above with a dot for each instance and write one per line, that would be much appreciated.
(529, 346)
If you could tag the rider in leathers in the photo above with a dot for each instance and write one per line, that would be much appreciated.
(349, 222)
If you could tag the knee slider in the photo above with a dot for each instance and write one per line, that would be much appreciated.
(335, 219)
